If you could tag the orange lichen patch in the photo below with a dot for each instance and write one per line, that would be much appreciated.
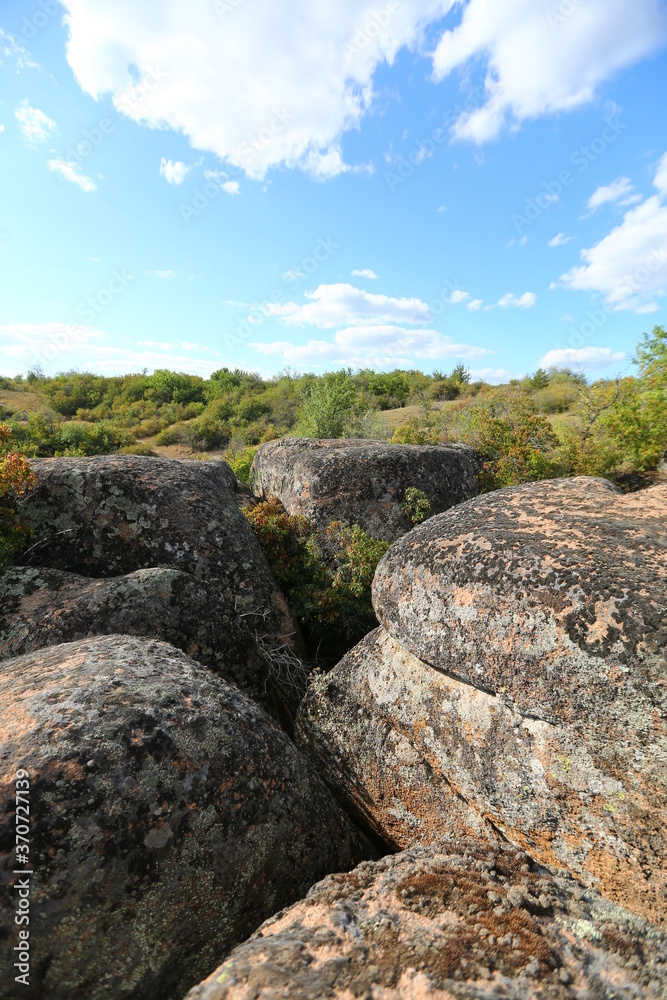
(625, 882)
(463, 597)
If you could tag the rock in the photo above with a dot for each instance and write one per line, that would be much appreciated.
(463, 920)
(46, 607)
(362, 482)
(168, 817)
(203, 582)
(517, 689)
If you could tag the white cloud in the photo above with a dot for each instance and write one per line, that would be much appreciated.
(583, 357)
(660, 181)
(629, 266)
(164, 275)
(331, 305)
(475, 305)
(71, 171)
(620, 190)
(296, 88)
(458, 296)
(174, 172)
(2, 128)
(559, 241)
(540, 61)
(365, 272)
(525, 301)
(221, 178)
(376, 346)
(10, 48)
(35, 125)
(62, 346)
(494, 376)
(301, 81)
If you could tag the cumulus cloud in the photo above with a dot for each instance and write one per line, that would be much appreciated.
(35, 126)
(61, 346)
(70, 170)
(458, 295)
(332, 305)
(510, 301)
(300, 82)
(221, 178)
(629, 266)
(367, 273)
(494, 376)
(375, 346)
(164, 275)
(590, 358)
(559, 241)
(174, 172)
(540, 61)
(621, 191)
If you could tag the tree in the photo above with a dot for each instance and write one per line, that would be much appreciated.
(327, 404)
(460, 374)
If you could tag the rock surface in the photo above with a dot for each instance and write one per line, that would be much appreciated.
(46, 607)
(362, 482)
(169, 816)
(166, 553)
(518, 688)
(465, 920)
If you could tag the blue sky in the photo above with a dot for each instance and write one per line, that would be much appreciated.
(240, 183)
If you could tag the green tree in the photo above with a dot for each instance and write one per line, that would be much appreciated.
(327, 404)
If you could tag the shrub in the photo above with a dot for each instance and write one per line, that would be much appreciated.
(16, 478)
(327, 405)
(326, 576)
(417, 506)
(518, 444)
(414, 433)
(240, 462)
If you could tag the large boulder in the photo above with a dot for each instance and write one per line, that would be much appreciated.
(46, 607)
(465, 921)
(169, 816)
(518, 686)
(146, 546)
(362, 482)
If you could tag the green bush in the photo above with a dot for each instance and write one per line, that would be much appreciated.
(327, 405)
(241, 461)
(416, 506)
(325, 575)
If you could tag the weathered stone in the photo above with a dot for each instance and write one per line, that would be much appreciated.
(46, 607)
(166, 552)
(362, 482)
(541, 609)
(168, 817)
(464, 920)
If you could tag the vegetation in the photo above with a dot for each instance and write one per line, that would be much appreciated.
(417, 505)
(15, 480)
(326, 576)
(552, 423)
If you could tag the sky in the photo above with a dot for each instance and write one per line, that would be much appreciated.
(405, 183)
